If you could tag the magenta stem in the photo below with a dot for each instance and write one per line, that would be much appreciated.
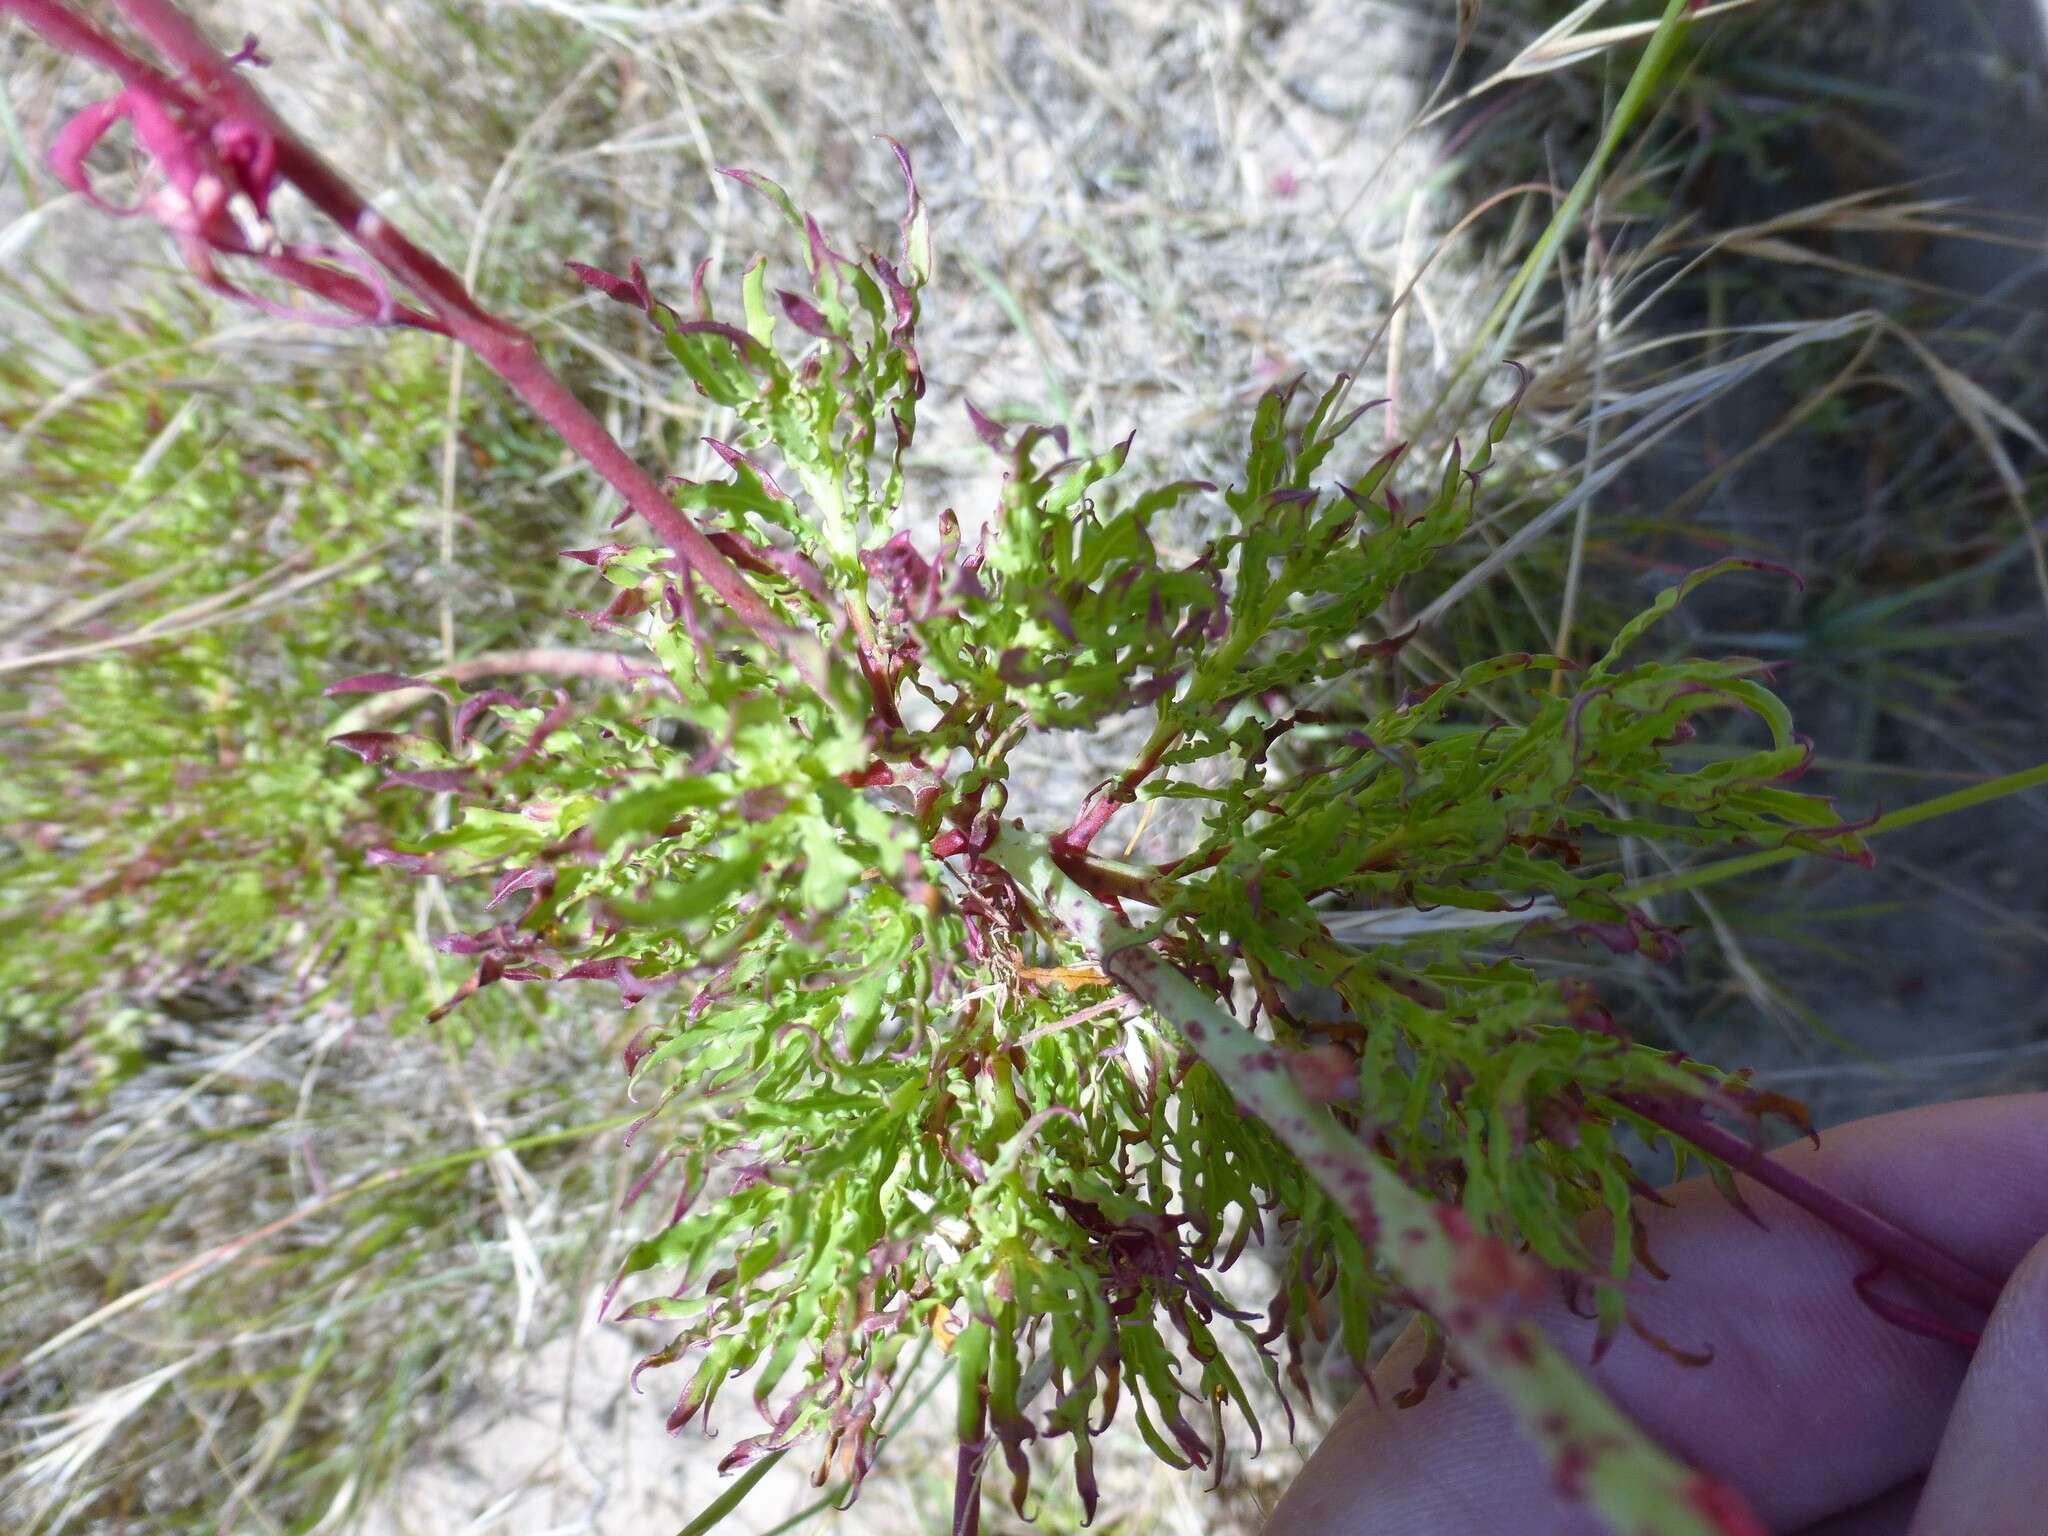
(67, 32)
(1900, 1249)
(967, 1476)
(210, 84)
(1095, 816)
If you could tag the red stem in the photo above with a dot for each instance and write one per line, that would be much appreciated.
(65, 31)
(1900, 1249)
(967, 1474)
(1103, 882)
(1095, 815)
(1910, 1318)
(503, 347)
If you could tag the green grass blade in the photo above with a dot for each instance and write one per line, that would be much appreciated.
(1908, 816)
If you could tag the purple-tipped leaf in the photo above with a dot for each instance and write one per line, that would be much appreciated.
(917, 230)
(754, 181)
(377, 682)
(471, 707)
(736, 459)
(630, 290)
(539, 878)
(986, 427)
(370, 746)
(597, 555)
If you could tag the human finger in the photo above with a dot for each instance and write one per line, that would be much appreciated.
(1812, 1404)
(1990, 1476)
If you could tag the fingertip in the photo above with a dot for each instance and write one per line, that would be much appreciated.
(2020, 1325)
(1971, 1177)
(1990, 1476)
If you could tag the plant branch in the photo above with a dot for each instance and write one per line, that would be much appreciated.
(1104, 878)
(1471, 1283)
(1899, 1248)
(715, 1512)
(219, 95)
(1096, 814)
(1907, 816)
(79, 38)
(537, 661)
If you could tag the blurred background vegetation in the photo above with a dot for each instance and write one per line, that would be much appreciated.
(276, 1254)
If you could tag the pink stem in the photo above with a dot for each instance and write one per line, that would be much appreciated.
(1900, 1249)
(1095, 816)
(65, 31)
(501, 346)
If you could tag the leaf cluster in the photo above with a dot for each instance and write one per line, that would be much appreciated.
(888, 1096)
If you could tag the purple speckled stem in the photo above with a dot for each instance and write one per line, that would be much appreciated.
(1473, 1284)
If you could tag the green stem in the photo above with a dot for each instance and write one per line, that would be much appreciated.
(1909, 816)
(1490, 343)
(1473, 1284)
(729, 1500)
